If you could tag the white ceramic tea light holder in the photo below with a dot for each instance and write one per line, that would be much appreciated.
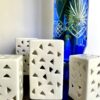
(84, 81)
(23, 48)
(46, 69)
(11, 77)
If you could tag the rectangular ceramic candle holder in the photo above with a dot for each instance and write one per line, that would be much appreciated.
(22, 48)
(11, 77)
(46, 69)
(84, 77)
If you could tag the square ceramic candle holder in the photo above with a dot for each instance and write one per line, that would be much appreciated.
(84, 77)
(11, 77)
(46, 69)
(22, 48)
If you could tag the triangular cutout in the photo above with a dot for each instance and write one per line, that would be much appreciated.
(99, 65)
(7, 76)
(28, 41)
(27, 45)
(58, 54)
(24, 55)
(72, 85)
(80, 87)
(41, 46)
(35, 52)
(50, 45)
(97, 95)
(42, 93)
(98, 85)
(22, 42)
(39, 83)
(57, 72)
(50, 52)
(52, 61)
(8, 90)
(98, 72)
(33, 61)
(33, 91)
(42, 60)
(93, 82)
(25, 60)
(91, 71)
(45, 76)
(50, 69)
(23, 50)
(58, 84)
(6, 67)
(52, 91)
(35, 75)
(17, 51)
(14, 98)
(79, 94)
(19, 45)
(92, 90)
(50, 83)
(42, 67)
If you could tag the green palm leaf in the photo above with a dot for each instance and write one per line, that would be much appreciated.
(60, 4)
(76, 14)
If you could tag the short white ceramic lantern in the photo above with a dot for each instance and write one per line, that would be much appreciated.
(22, 48)
(84, 77)
(11, 77)
(46, 69)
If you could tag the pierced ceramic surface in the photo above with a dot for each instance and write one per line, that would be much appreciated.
(11, 77)
(84, 77)
(46, 69)
(22, 47)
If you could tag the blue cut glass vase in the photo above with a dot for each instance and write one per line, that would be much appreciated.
(70, 25)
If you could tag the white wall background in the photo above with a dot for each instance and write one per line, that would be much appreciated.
(94, 28)
(24, 18)
(34, 18)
